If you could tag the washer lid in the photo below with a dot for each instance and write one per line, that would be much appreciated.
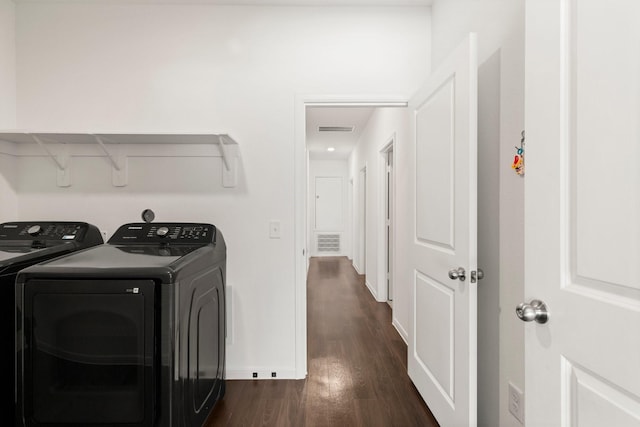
(12, 252)
(116, 257)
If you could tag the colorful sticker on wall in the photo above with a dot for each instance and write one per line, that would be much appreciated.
(518, 159)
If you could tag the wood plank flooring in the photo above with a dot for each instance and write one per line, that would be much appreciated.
(357, 366)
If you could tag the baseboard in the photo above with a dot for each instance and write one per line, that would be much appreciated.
(356, 268)
(371, 289)
(403, 333)
(326, 254)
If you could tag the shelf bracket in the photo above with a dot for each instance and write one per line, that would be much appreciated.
(119, 164)
(230, 164)
(224, 151)
(62, 161)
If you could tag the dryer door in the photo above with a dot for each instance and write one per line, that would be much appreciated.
(88, 352)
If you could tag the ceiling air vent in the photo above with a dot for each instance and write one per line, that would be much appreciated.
(335, 128)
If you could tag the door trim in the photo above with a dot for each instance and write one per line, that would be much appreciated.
(384, 245)
(361, 231)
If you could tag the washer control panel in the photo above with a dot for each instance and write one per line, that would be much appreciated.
(164, 233)
(69, 231)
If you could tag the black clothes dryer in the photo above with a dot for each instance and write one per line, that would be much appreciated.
(128, 333)
(23, 244)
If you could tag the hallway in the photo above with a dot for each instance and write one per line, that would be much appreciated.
(356, 363)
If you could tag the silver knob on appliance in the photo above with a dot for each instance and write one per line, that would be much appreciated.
(457, 274)
(34, 230)
(535, 310)
(162, 231)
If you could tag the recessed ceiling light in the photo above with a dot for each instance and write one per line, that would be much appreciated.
(331, 149)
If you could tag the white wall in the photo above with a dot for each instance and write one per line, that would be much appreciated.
(386, 124)
(8, 198)
(324, 169)
(178, 68)
(500, 28)
(8, 203)
(7, 65)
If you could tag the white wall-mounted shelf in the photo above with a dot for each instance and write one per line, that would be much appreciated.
(117, 147)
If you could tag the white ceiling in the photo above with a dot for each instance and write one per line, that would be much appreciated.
(325, 2)
(321, 2)
(343, 142)
(262, 2)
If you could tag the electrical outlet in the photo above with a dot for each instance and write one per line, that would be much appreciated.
(274, 229)
(516, 403)
(255, 375)
(273, 374)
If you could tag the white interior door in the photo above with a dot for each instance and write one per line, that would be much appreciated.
(582, 204)
(442, 336)
(328, 209)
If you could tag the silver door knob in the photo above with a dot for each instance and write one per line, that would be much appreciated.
(535, 310)
(457, 274)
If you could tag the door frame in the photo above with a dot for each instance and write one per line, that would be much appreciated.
(301, 188)
(361, 220)
(386, 242)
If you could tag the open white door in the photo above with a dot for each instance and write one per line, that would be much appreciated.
(582, 204)
(442, 336)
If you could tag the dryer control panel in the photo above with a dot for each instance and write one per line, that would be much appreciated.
(164, 233)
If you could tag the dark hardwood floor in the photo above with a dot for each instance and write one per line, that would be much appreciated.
(357, 365)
